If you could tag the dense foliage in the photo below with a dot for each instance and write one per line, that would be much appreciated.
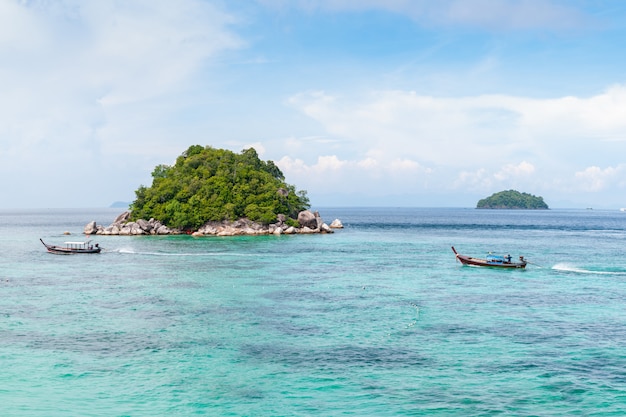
(215, 184)
(512, 200)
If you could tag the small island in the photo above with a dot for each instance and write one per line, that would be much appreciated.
(512, 199)
(212, 191)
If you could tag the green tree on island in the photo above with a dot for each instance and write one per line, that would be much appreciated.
(207, 184)
(512, 199)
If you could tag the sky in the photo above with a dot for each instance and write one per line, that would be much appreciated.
(408, 103)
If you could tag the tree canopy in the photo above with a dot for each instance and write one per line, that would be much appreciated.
(512, 199)
(208, 184)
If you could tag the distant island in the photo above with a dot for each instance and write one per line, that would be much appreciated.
(512, 199)
(120, 204)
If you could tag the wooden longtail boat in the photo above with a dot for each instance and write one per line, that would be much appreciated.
(72, 248)
(491, 261)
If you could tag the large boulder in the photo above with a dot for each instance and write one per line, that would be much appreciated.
(308, 219)
(91, 228)
(162, 230)
(146, 226)
(122, 218)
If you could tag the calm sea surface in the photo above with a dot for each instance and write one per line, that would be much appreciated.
(377, 319)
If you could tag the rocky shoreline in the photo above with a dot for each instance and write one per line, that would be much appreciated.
(310, 222)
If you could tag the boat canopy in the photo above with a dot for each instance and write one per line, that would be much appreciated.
(498, 258)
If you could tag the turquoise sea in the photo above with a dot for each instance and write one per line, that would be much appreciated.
(377, 319)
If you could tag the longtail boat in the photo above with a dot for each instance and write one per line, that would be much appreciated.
(491, 260)
(72, 248)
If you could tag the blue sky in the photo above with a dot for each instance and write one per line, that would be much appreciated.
(368, 103)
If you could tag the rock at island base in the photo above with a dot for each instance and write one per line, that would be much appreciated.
(122, 218)
(123, 227)
(307, 219)
(91, 228)
(336, 224)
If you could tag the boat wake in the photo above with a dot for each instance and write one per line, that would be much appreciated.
(129, 251)
(563, 267)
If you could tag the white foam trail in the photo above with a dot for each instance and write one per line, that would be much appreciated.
(563, 267)
(130, 251)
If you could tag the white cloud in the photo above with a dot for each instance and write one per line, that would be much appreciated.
(487, 142)
(146, 48)
(466, 129)
(86, 83)
(596, 179)
(474, 180)
(515, 171)
(329, 163)
(13, 20)
(403, 165)
(104, 54)
(600, 114)
(506, 176)
(368, 164)
(325, 166)
(367, 176)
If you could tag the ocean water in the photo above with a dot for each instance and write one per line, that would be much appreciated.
(377, 319)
